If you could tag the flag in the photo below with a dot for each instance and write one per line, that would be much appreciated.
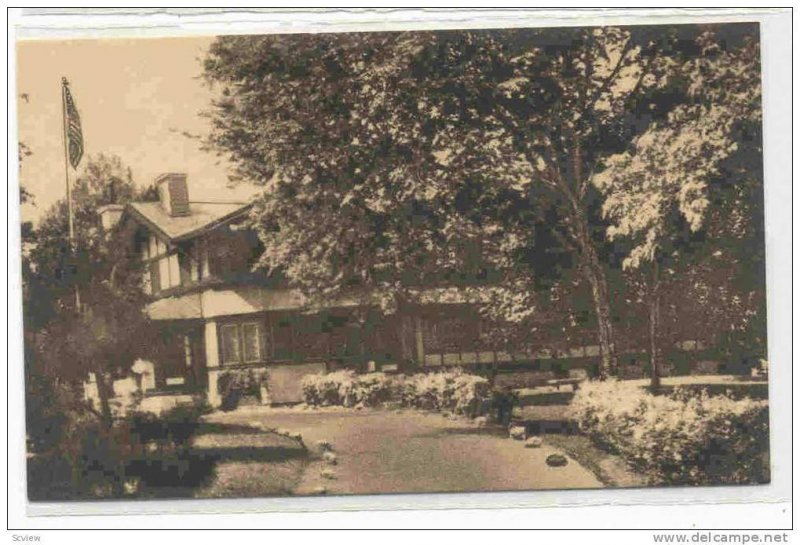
(72, 122)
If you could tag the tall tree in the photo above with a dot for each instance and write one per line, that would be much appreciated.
(393, 161)
(62, 343)
(658, 193)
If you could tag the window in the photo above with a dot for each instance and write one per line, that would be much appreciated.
(187, 350)
(243, 343)
(282, 338)
(169, 272)
(252, 342)
(163, 273)
(147, 282)
(345, 336)
(153, 246)
(163, 269)
(451, 333)
(174, 270)
(194, 265)
(231, 352)
(205, 266)
(310, 337)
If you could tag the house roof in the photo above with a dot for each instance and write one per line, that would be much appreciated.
(203, 216)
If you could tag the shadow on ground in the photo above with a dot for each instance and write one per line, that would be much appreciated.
(220, 457)
(197, 466)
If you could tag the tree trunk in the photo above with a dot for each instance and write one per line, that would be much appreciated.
(105, 392)
(593, 273)
(605, 329)
(591, 268)
(104, 395)
(655, 324)
(405, 334)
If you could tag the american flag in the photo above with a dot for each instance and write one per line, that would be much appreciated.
(73, 124)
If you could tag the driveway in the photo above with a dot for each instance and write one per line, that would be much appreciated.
(383, 451)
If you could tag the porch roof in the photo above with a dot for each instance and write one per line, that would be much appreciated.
(179, 307)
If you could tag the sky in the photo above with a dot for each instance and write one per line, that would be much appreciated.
(132, 96)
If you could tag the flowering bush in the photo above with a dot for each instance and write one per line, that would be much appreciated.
(346, 388)
(232, 385)
(680, 438)
(327, 389)
(455, 391)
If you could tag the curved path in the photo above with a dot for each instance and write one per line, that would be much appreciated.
(384, 451)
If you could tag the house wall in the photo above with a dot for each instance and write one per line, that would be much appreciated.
(216, 293)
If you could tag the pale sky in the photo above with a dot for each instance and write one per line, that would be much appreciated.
(130, 93)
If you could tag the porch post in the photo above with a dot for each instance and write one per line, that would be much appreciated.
(418, 338)
(212, 362)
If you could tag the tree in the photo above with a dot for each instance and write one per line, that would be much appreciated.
(56, 270)
(658, 192)
(64, 344)
(394, 161)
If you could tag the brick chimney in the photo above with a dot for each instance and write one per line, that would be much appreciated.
(174, 193)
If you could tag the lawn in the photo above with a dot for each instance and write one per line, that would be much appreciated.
(224, 461)
(249, 462)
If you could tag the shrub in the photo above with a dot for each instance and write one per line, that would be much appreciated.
(454, 391)
(681, 438)
(95, 456)
(347, 389)
(329, 388)
(89, 462)
(371, 389)
(94, 461)
(174, 427)
(235, 384)
(159, 450)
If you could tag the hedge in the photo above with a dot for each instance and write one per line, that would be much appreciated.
(680, 438)
(454, 391)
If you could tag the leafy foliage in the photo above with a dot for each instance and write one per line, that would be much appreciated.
(235, 384)
(346, 388)
(680, 438)
(394, 160)
(110, 331)
(684, 180)
(669, 167)
(454, 391)
(92, 460)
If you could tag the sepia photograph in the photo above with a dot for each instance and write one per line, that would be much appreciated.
(423, 261)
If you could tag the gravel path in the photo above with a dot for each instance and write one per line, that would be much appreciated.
(380, 451)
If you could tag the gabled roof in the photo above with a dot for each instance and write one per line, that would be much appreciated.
(204, 216)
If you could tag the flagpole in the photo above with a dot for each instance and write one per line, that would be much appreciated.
(71, 224)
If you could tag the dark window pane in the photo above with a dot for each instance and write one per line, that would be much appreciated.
(252, 342)
(345, 337)
(155, 279)
(265, 343)
(187, 350)
(311, 340)
(282, 339)
(231, 352)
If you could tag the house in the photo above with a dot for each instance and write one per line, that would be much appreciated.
(216, 316)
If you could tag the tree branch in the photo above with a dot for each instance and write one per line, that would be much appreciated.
(607, 82)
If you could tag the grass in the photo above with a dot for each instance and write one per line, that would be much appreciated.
(609, 468)
(253, 479)
(251, 463)
(222, 461)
